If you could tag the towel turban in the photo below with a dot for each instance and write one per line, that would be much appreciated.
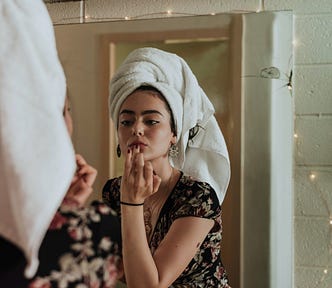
(36, 154)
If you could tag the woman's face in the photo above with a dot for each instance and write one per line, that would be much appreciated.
(67, 116)
(145, 121)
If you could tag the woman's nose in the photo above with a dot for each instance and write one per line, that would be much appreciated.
(138, 130)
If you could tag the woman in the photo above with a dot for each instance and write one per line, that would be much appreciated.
(176, 172)
(82, 244)
(80, 247)
(36, 154)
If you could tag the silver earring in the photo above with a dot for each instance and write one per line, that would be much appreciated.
(173, 151)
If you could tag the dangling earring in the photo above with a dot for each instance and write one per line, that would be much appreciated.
(173, 151)
(118, 151)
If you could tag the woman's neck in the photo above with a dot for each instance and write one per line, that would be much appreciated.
(163, 169)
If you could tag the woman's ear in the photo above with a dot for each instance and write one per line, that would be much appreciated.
(173, 140)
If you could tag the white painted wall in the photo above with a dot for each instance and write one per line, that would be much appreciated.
(312, 88)
(267, 145)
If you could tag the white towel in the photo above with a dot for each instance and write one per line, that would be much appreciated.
(36, 153)
(205, 156)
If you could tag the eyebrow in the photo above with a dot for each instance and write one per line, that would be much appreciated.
(145, 112)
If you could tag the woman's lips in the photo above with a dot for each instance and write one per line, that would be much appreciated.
(139, 144)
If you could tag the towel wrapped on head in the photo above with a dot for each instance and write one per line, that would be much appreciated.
(203, 156)
(36, 154)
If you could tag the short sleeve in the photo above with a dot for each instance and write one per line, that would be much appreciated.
(197, 199)
(80, 237)
(111, 194)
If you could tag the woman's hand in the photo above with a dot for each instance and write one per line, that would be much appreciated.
(139, 180)
(81, 186)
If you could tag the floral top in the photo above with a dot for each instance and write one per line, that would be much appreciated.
(188, 198)
(81, 249)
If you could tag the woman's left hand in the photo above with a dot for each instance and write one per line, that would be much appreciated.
(81, 185)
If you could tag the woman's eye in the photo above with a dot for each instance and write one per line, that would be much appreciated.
(151, 122)
(125, 122)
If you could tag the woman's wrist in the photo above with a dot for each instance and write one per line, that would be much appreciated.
(131, 203)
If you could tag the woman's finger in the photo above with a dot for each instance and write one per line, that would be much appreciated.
(80, 160)
(74, 187)
(79, 192)
(148, 175)
(75, 178)
(127, 164)
(88, 173)
(138, 166)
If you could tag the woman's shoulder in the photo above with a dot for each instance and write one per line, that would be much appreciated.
(196, 198)
(195, 187)
(79, 236)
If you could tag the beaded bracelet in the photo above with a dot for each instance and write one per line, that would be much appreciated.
(131, 204)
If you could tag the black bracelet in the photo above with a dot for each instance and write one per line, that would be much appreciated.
(131, 204)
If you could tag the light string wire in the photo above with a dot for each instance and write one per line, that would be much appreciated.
(61, 1)
(86, 18)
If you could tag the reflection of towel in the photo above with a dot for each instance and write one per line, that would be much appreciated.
(205, 156)
(36, 154)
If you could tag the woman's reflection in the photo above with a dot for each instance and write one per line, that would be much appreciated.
(175, 175)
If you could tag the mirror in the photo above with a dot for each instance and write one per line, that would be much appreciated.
(243, 62)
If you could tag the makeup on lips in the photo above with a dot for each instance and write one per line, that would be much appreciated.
(138, 144)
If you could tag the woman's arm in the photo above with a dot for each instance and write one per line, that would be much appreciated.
(172, 256)
(142, 269)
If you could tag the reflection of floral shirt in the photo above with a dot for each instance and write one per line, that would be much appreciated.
(81, 249)
(188, 198)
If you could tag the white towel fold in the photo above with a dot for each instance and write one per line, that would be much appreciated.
(36, 153)
(205, 156)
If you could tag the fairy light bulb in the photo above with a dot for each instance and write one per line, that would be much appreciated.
(169, 12)
(296, 135)
(325, 271)
(127, 18)
(312, 176)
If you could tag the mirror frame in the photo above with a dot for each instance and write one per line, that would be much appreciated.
(264, 239)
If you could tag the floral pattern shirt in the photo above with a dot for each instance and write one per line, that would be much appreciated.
(188, 198)
(81, 249)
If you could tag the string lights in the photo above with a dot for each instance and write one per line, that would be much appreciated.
(87, 18)
(312, 176)
(313, 179)
(60, 1)
(83, 17)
